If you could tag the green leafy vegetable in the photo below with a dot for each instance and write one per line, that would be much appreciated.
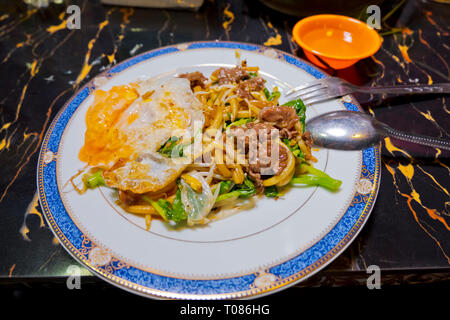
(239, 122)
(169, 211)
(247, 189)
(271, 96)
(253, 74)
(295, 149)
(316, 177)
(93, 180)
(173, 148)
(328, 183)
(178, 212)
(244, 190)
(167, 148)
(274, 95)
(232, 194)
(300, 109)
(304, 167)
(161, 207)
(271, 192)
(225, 186)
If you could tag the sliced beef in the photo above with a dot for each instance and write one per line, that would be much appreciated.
(256, 164)
(260, 128)
(306, 136)
(230, 75)
(280, 116)
(128, 198)
(288, 134)
(245, 87)
(195, 78)
(255, 177)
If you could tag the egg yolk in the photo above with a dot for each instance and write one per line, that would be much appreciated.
(104, 143)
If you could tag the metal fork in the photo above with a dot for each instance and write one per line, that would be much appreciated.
(332, 87)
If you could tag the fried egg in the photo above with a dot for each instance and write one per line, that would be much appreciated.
(127, 125)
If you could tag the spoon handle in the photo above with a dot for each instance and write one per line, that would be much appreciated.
(419, 139)
(403, 89)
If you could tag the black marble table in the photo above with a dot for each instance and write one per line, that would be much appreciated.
(42, 63)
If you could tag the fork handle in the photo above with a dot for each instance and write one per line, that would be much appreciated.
(416, 138)
(409, 88)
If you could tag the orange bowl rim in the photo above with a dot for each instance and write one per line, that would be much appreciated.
(300, 23)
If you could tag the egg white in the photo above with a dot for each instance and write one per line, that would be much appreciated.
(164, 109)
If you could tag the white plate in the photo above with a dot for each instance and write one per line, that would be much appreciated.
(275, 244)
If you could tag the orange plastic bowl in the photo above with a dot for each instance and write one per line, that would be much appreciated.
(338, 41)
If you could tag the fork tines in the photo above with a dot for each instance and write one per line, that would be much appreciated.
(312, 91)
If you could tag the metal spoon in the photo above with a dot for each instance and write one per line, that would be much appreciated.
(351, 130)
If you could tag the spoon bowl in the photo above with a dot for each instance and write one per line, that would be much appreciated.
(352, 130)
(344, 130)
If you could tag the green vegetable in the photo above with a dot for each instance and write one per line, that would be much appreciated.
(244, 190)
(328, 183)
(169, 211)
(247, 189)
(225, 186)
(167, 148)
(240, 122)
(271, 192)
(172, 148)
(161, 207)
(304, 167)
(275, 94)
(253, 74)
(295, 149)
(228, 195)
(178, 212)
(316, 177)
(300, 109)
(271, 96)
(94, 180)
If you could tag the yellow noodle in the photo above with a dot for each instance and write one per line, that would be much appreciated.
(252, 69)
(303, 146)
(259, 95)
(254, 110)
(243, 114)
(222, 168)
(148, 221)
(192, 182)
(218, 100)
(141, 209)
(211, 99)
(234, 109)
(226, 116)
(238, 175)
(298, 126)
(217, 121)
(280, 180)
